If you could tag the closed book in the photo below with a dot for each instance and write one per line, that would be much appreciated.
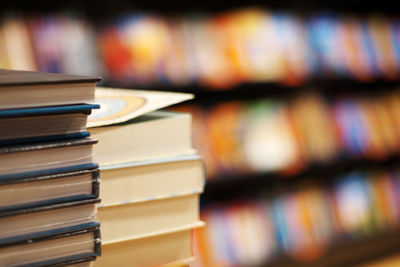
(131, 220)
(59, 247)
(28, 125)
(130, 130)
(44, 156)
(153, 135)
(21, 223)
(150, 250)
(145, 180)
(40, 188)
(20, 89)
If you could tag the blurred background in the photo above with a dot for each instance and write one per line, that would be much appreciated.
(297, 111)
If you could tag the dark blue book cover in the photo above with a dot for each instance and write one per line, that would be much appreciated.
(63, 235)
(40, 111)
(18, 191)
(44, 124)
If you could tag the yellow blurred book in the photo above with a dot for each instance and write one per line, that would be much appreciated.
(150, 250)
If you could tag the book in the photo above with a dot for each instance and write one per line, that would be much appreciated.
(45, 156)
(44, 123)
(152, 179)
(131, 220)
(59, 247)
(145, 141)
(27, 222)
(34, 89)
(129, 115)
(45, 187)
(150, 250)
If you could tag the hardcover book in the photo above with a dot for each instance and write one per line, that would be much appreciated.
(51, 186)
(22, 223)
(28, 125)
(34, 89)
(150, 250)
(127, 114)
(152, 179)
(59, 247)
(132, 220)
(45, 156)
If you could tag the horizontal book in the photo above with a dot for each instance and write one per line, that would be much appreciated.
(46, 187)
(131, 220)
(150, 250)
(59, 247)
(21, 89)
(43, 123)
(23, 223)
(145, 180)
(42, 156)
(154, 135)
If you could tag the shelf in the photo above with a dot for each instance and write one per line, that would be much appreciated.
(234, 186)
(348, 252)
(121, 6)
(249, 91)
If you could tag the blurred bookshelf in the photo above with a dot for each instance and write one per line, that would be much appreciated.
(296, 101)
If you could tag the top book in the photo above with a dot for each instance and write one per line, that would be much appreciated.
(19, 89)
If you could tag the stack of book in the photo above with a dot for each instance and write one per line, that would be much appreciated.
(151, 178)
(49, 183)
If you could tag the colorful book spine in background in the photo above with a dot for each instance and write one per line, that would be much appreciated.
(218, 51)
(263, 136)
(302, 222)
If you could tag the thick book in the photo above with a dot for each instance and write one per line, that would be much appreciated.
(22, 223)
(152, 179)
(49, 186)
(129, 130)
(44, 156)
(157, 134)
(59, 247)
(20, 89)
(150, 250)
(28, 125)
(132, 220)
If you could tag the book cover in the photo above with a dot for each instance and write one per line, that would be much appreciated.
(45, 156)
(42, 188)
(59, 247)
(145, 140)
(25, 89)
(38, 111)
(21, 222)
(150, 250)
(52, 206)
(41, 124)
(152, 179)
(131, 220)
